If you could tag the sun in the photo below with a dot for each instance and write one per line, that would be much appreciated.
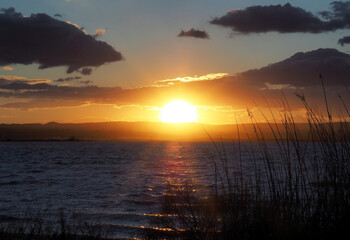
(178, 111)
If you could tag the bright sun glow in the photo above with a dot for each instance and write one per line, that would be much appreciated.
(178, 111)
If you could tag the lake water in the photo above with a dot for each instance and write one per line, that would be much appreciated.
(121, 184)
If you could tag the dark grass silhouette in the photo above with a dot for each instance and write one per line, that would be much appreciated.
(296, 189)
(43, 224)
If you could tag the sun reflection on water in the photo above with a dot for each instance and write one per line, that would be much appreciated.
(177, 169)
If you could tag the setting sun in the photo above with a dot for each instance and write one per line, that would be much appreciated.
(178, 111)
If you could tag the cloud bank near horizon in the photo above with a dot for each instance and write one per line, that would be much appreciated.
(297, 74)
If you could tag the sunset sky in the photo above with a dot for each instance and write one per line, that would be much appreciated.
(122, 60)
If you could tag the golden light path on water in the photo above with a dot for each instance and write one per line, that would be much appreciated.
(176, 172)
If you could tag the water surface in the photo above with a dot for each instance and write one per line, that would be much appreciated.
(120, 183)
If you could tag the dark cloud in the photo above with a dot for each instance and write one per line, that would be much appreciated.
(194, 33)
(340, 11)
(9, 79)
(68, 79)
(58, 15)
(49, 42)
(302, 69)
(344, 40)
(86, 82)
(86, 71)
(23, 84)
(38, 103)
(295, 74)
(285, 19)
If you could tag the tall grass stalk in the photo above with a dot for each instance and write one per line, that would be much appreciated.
(288, 189)
(44, 224)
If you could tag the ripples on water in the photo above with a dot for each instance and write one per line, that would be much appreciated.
(121, 183)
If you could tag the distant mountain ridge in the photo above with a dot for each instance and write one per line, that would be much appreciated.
(129, 131)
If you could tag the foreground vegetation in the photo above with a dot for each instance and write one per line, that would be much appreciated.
(297, 189)
(43, 224)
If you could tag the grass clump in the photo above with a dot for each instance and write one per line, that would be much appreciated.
(292, 188)
(42, 224)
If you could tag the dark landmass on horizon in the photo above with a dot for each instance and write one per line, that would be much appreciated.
(140, 131)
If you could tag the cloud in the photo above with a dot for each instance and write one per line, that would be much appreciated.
(49, 42)
(302, 69)
(210, 76)
(339, 11)
(68, 79)
(86, 71)
(7, 68)
(344, 40)
(39, 104)
(194, 33)
(285, 19)
(58, 15)
(9, 78)
(99, 32)
(12, 79)
(299, 73)
(86, 82)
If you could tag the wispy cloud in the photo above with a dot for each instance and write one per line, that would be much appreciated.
(86, 82)
(13, 79)
(210, 76)
(7, 68)
(67, 79)
(278, 86)
(100, 32)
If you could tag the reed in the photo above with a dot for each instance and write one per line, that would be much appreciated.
(294, 189)
(44, 224)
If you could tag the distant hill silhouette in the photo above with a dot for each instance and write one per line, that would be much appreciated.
(131, 131)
